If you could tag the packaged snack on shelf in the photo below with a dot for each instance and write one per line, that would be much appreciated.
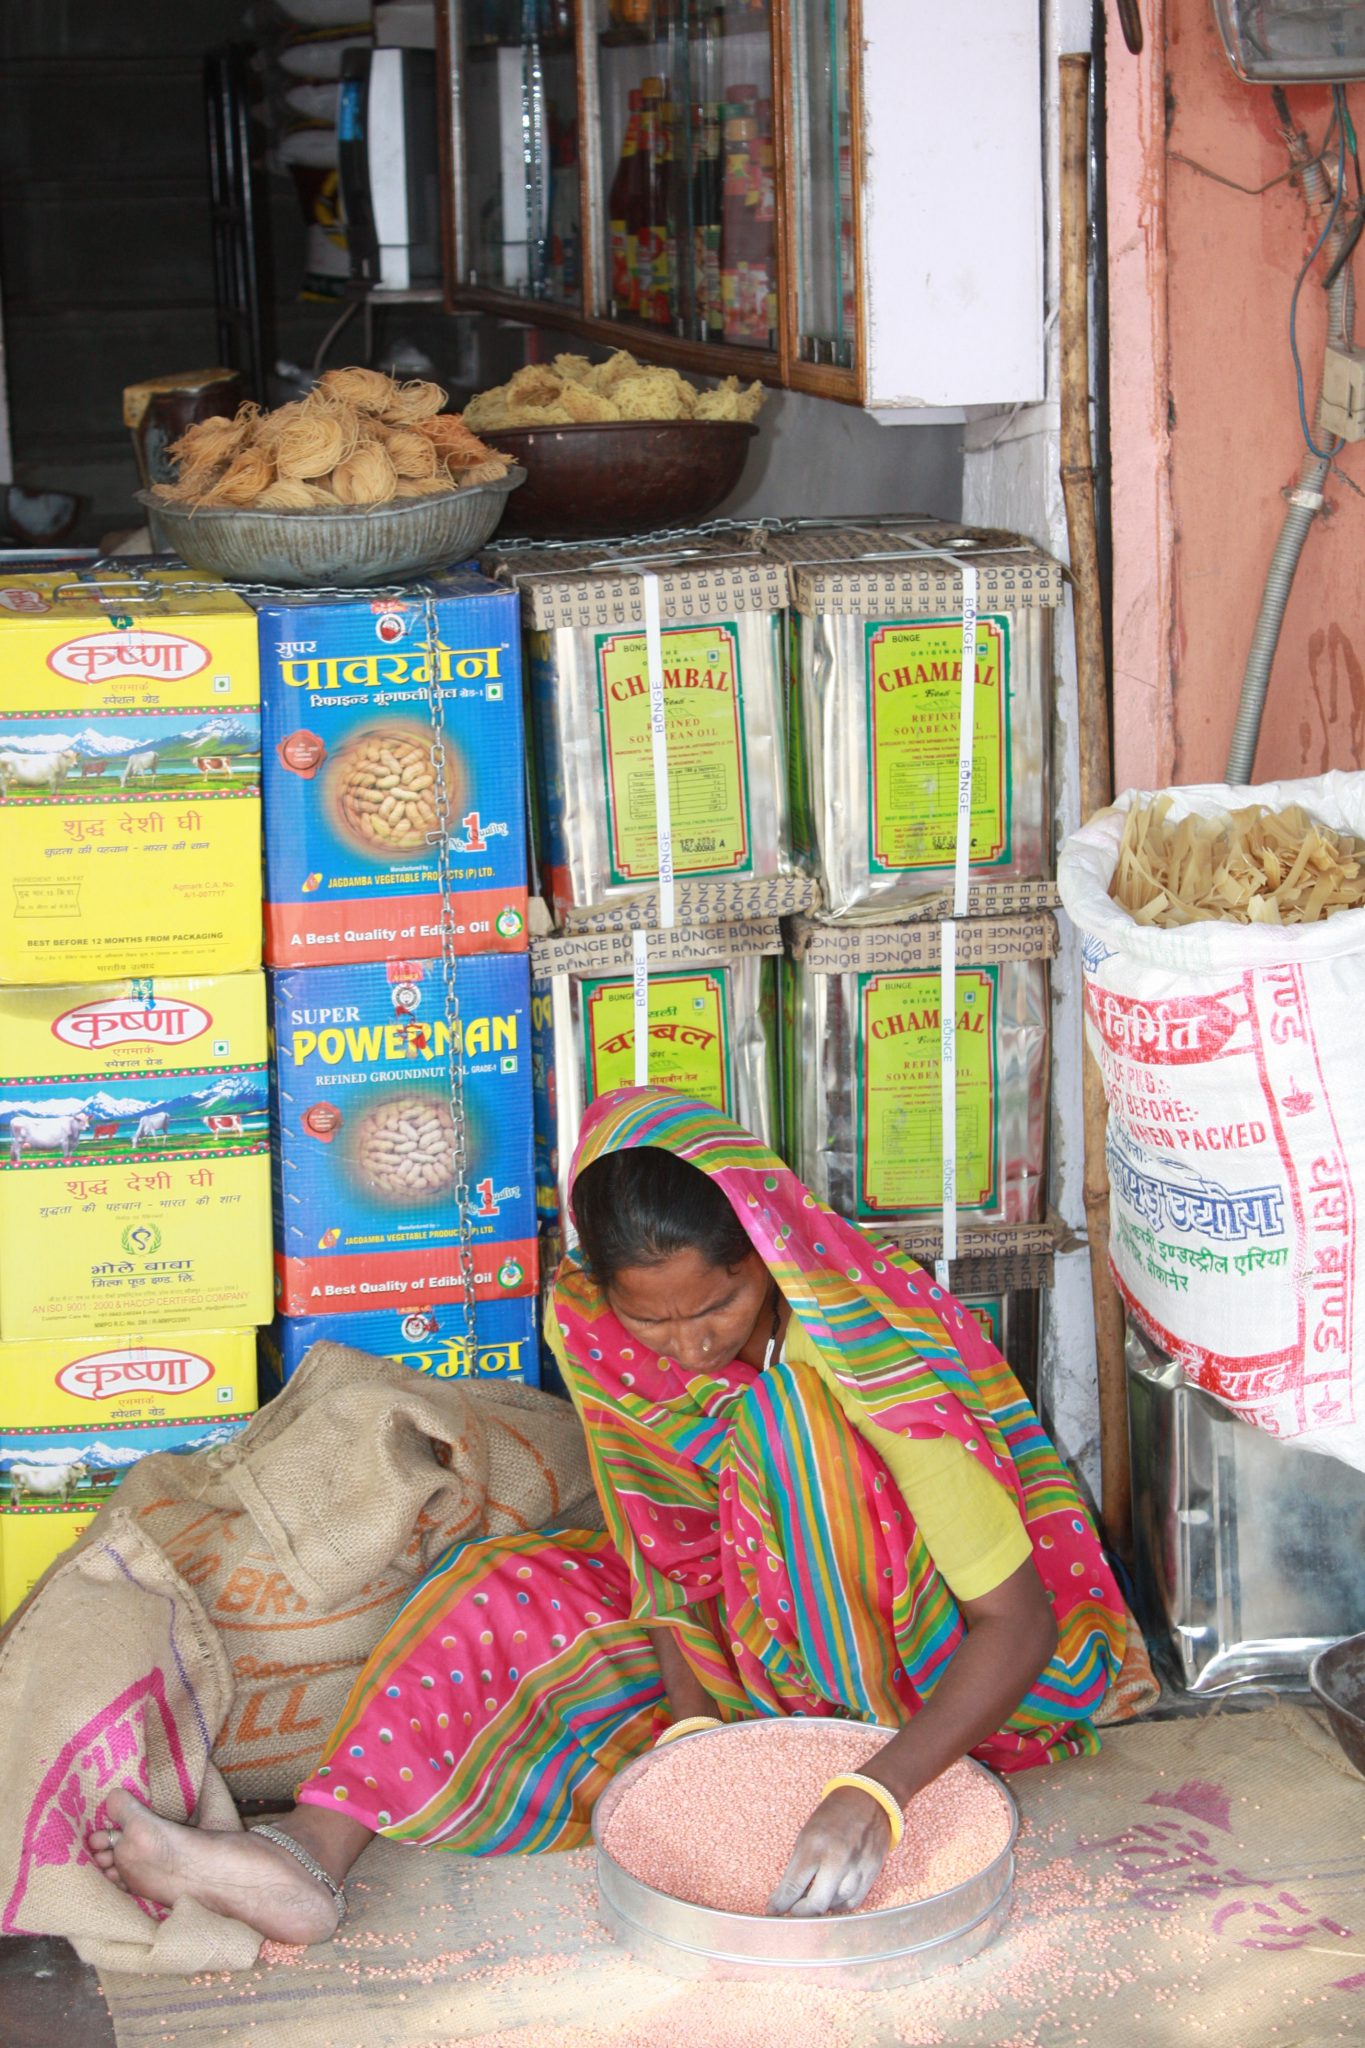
(353, 797)
(365, 1135)
(428, 1340)
(130, 772)
(134, 1170)
(712, 1019)
(862, 1067)
(876, 686)
(722, 641)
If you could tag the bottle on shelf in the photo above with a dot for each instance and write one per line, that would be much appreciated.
(626, 206)
(708, 321)
(748, 221)
(564, 276)
(659, 289)
(643, 246)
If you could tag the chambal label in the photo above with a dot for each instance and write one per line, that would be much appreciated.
(708, 787)
(914, 680)
(689, 1035)
(900, 1121)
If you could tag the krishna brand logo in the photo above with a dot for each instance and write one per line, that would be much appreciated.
(102, 1374)
(156, 657)
(93, 1026)
(142, 1238)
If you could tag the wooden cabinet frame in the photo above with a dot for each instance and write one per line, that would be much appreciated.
(782, 366)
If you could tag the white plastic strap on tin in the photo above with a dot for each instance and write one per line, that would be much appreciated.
(640, 998)
(947, 1033)
(658, 733)
(947, 965)
(966, 733)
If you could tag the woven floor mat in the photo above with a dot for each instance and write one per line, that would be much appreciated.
(1200, 1881)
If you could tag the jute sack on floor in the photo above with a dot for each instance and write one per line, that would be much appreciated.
(111, 1676)
(304, 1534)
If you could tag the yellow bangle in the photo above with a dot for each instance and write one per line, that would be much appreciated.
(690, 1726)
(886, 1800)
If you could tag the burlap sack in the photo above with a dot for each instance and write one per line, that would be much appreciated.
(303, 1535)
(111, 1676)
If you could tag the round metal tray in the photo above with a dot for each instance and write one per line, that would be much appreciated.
(352, 548)
(844, 1951)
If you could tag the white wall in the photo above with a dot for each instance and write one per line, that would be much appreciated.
(814, 456)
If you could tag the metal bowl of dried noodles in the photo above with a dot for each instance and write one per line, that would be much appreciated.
(350, 547)
(615, 477)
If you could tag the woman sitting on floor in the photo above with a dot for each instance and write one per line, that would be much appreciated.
(825, 1494)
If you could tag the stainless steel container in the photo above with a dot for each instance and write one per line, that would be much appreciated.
(1247, 1550)
(713, 1028)
(877, 648)
(723, 630)
(353, 546)
(844, 1951)
(862, 1071)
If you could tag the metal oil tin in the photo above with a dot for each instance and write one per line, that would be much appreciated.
(724, 645)
(713, 1027)
(862, 1072)
(876, 661)
(1246, 1549)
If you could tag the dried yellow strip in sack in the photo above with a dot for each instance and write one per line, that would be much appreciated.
(1249, 866)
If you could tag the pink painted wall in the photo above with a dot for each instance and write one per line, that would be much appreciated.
(1205, 424)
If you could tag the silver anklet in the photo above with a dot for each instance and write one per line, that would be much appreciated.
(307, 1862)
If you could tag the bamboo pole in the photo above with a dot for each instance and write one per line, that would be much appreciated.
(1097, 776)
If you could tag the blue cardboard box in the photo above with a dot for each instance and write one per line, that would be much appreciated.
(428, 1340)
(363, 1130)
(351, 800)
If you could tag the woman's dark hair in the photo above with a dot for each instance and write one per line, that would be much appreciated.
(636, 1208)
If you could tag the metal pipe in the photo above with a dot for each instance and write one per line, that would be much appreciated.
(1305, 500)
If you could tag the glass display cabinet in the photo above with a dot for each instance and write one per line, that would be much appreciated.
(687, 179)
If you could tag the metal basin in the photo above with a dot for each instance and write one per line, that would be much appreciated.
(615, 477)
(1337, 1676)
(844, 1951)
(351, 548)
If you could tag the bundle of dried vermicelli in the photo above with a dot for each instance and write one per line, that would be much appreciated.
(358, 438)
(1253, 866)
(572, 391)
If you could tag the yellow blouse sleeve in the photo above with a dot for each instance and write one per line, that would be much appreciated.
(969, 1521)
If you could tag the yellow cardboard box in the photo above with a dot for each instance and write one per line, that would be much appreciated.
(71, 1385)
(30, 1540)
(130, 771)
(134, 1174)
(76, 1413)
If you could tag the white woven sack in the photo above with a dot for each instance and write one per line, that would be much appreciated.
(1234, 1065)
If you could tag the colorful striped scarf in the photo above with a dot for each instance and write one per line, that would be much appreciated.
(763, 1529)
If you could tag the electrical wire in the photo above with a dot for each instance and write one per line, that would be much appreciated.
(1341, 123)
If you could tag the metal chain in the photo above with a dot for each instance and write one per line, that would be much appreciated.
(455, 1066)
(651, 541)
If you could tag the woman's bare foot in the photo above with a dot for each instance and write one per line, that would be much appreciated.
(237, 1875)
